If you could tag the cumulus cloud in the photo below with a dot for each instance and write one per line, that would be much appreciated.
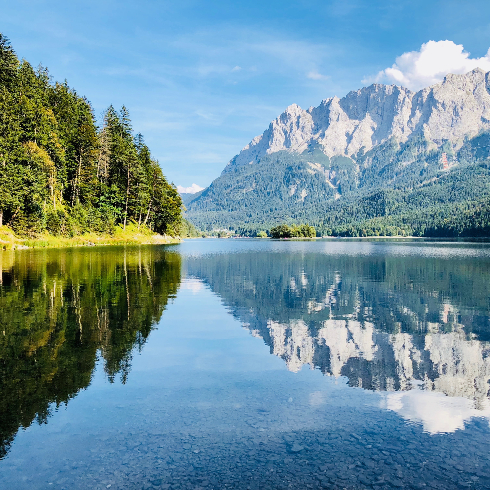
(189, 190)
(236, 68)
(429, 65)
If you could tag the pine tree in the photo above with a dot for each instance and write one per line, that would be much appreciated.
(8, 63)
(59, 173)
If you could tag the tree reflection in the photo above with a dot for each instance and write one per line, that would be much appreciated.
(60, 310)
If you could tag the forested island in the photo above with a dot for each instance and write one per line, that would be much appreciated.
(295, 231)
(61, 174)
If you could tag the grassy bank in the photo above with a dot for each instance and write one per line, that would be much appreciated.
(132, 235)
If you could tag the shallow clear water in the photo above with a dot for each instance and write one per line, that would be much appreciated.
(246, 364)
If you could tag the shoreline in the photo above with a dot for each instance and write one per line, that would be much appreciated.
(370, 237)
(10, 241)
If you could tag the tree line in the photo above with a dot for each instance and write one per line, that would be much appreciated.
(61, 173)
(294, 231)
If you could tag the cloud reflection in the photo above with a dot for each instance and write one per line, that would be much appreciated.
(437, 412)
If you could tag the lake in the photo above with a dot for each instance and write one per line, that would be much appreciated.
(251, 364)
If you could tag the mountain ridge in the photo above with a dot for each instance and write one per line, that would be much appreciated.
(311, 165)
(371, 115)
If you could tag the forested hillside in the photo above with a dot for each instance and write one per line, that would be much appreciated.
(393, 189)
(380, 161)
(61, 173)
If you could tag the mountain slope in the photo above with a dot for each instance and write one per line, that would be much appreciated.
(309, 164)
(457, 107)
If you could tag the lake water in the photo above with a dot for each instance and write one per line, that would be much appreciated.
(251, 364)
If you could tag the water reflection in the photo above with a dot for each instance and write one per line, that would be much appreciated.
(207, 406)
(61, 310)
(416, 325)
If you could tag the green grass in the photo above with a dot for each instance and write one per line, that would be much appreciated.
(132, 235)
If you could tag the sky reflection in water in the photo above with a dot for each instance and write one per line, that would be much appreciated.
(400, 320)
(157, 385)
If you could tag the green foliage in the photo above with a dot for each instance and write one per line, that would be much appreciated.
(279, 189)
(60, 173)
(60, 311)
(300, 231)
(187, 229)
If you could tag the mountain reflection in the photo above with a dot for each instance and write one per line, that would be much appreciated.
(385, 323)
(61, 310)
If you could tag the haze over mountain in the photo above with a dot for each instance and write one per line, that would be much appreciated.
(378, 137)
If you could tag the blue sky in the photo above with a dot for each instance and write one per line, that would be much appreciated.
(202, 78)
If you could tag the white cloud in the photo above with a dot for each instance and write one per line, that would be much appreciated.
(195, 286)
(429, 65)
(314, 75)
(189, 190)
(236, 68)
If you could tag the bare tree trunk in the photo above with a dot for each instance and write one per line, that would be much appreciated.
(51, 190)
(147, 214)
(78, 176)
(76, 185)
(104, 156)
(127, 200)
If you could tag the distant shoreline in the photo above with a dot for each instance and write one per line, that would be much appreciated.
(372, 237)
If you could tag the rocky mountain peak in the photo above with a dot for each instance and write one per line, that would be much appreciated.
(457, 107)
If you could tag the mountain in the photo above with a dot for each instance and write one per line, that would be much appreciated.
(188, 197)
(314, 164)
(451, 110)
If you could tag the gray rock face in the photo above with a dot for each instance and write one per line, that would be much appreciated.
(457, 107)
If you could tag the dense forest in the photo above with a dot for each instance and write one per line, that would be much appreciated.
(394, 189)
(61, 173)
(294, 231)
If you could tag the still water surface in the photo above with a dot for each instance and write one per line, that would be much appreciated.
(246, 364)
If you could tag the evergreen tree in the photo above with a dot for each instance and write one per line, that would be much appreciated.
(60, 173)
